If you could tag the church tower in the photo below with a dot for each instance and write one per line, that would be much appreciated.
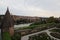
(7, 24)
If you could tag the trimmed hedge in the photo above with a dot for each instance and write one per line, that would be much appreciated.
(55, 30)
(41, 36)
(56, 35)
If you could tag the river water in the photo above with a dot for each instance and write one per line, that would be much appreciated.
(21, 25)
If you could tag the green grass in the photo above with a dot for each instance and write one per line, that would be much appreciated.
(6, 36)
(17, 36)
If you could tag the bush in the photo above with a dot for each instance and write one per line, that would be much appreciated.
(41, 36)
(58, 25)
(55, 30)
(17, 36)
(38, 23)
(56, 35)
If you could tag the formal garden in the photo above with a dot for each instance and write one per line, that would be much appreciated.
(55, 33)
(41, 36)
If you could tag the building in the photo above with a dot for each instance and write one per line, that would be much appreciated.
(7, 24)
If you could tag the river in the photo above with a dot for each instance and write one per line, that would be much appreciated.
(21, 25)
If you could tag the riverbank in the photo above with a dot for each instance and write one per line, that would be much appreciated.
(34, 29)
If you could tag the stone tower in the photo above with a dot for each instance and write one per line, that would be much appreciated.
(7, 24)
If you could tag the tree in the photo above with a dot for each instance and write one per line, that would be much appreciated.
(50, 20)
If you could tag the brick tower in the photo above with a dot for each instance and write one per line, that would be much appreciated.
(7, 24)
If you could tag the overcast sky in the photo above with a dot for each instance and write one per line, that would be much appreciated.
(42, 8)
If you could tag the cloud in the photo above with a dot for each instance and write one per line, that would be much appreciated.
(31, 7)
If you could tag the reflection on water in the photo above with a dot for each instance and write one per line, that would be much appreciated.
(21, 25)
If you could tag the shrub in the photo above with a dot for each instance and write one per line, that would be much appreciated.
(17, 36)
(41, 36)
(56, 35)
(38, 23)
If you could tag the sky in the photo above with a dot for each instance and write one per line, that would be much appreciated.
(41, 8)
